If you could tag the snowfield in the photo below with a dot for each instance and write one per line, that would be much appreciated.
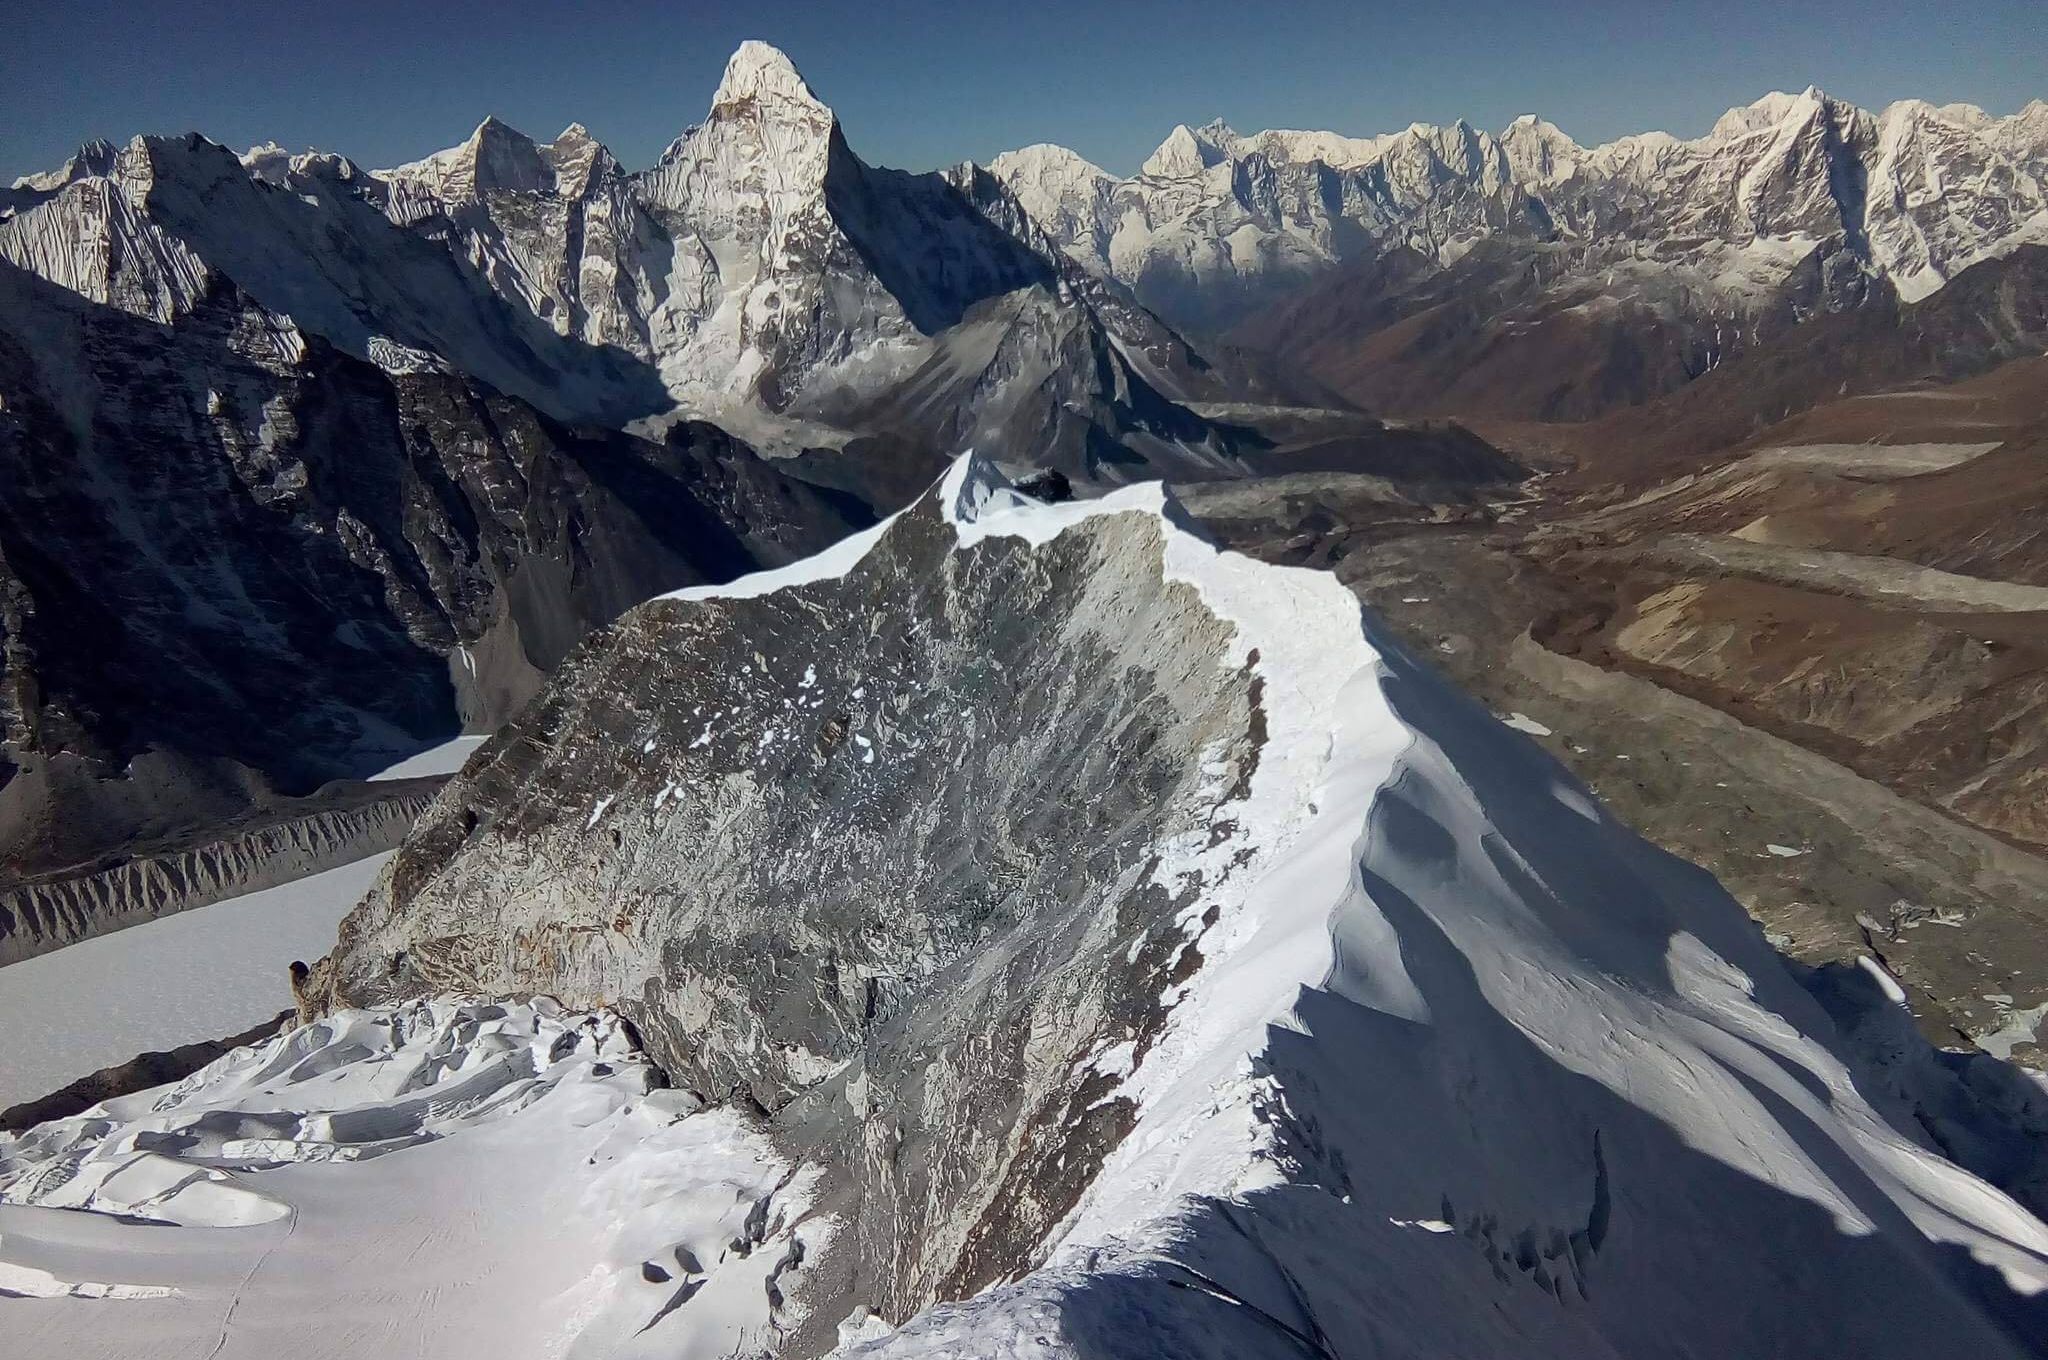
(447, 1180)
(1468, 1068)
(446, 758)
(201, 974)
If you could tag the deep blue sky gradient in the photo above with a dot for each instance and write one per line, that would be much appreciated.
(924, 84)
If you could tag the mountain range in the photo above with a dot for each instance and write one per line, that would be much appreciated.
(759, 274)
(761, 342)
(918, 884)
(1217, 223)
(288, 410)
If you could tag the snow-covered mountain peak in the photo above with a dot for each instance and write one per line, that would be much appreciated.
(1910, 196)
(762, 74)
(766, 135)
(1046, 162)
(502, 157)
(2025, 135)
(497, 156)
(579, 160)
(1774, 110)
(1187, 152)
(1539, 152)
(96, 157)
(267, 161)
(1963, 115)
(1298, 147)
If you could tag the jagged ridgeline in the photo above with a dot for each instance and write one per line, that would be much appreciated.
(1130, 943)
(959, 800)
(759, 274)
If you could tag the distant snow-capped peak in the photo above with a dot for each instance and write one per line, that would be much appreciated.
(1946, 187)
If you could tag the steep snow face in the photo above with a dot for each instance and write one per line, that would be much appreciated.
(85, 228)
(554, 227)
(1186, 152)
(2023, 136)
(1066, 194)
(1538, 152)
(455, 1179)
(1217, 221)
(1157, 960)
(1950, 194)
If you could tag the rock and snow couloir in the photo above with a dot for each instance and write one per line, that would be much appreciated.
(1087, 942)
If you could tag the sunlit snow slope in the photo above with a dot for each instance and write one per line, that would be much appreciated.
(437, 1180)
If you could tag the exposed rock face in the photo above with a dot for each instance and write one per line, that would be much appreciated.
(237, 563)
(913, 724)
(1152, 959)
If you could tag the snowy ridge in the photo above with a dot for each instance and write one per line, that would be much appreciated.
(1363, 783)
(1216, 212)
(1387, 811)
(1459, 1047)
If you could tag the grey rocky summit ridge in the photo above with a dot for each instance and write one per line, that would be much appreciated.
(1149, 957)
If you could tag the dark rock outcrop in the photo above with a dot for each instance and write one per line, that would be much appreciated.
(236, 564)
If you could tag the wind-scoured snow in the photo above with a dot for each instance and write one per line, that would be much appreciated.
(441, 1179)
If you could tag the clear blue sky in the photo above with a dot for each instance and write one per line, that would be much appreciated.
(921, 84)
